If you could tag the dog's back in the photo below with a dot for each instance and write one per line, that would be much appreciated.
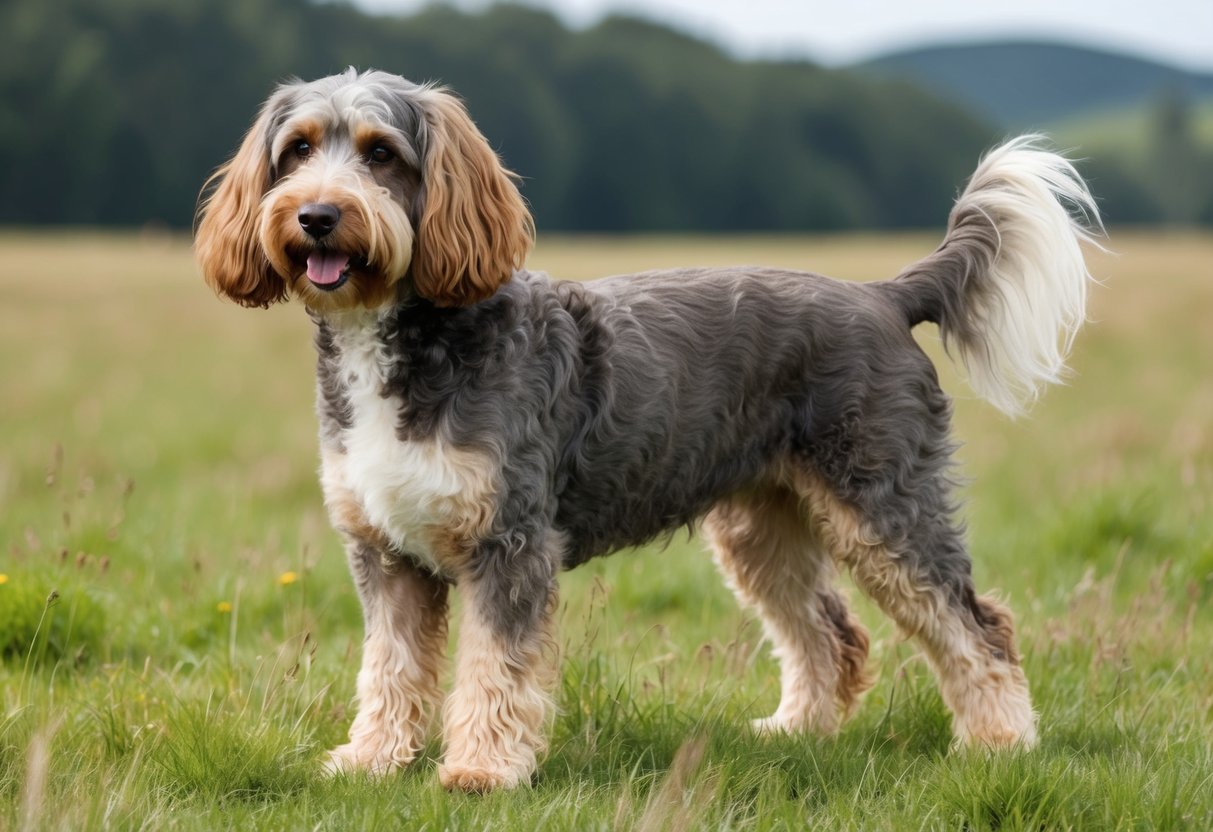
(693, 384)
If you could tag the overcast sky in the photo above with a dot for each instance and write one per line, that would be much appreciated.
(837, 32)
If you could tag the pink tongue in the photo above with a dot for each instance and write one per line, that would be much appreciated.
(325, 267)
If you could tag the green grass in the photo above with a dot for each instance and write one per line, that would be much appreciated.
(157, 472)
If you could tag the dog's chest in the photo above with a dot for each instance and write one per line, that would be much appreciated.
(418, 493)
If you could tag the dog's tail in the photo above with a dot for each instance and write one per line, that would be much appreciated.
(1008, 285)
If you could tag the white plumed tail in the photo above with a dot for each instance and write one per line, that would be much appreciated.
(1008, 285)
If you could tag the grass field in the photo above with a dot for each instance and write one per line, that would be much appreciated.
(157, 475)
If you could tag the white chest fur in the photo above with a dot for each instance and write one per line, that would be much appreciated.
(420, 494)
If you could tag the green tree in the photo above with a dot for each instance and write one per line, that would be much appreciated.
(115, 111)
(1182, 169)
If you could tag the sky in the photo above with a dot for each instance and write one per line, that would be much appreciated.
(837, 32)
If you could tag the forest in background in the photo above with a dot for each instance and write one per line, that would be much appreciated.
(114, 112)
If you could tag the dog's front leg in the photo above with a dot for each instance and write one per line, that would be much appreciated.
(494, 720)
(405, 612)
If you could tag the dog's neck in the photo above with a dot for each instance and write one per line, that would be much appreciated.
(359, 319)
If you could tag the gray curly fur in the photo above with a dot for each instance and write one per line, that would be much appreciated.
(622, 409)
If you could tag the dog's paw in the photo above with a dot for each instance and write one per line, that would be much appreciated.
(999, 737)
(781, 725)
(769, 726)
(996, 716)
(477, 779)
(350, 758)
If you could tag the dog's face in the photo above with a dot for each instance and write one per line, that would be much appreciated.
(350, 189)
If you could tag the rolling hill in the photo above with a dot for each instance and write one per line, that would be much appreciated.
(1027, 84)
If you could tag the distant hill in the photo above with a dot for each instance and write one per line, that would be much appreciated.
(1026, 84)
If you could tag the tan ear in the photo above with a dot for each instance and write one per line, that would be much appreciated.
(474, 228)
(227, 243)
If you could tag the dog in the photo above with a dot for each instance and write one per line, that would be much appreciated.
(486, 427)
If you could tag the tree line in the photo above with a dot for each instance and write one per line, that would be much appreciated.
(114, 111)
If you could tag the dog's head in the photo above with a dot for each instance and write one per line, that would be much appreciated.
(346, 186)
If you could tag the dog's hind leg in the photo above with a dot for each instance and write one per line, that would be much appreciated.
(494, 720)
(922, 580)
(763, 546)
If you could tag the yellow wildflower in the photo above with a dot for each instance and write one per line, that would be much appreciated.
(224, 606)
(288, 578)
(3, 579)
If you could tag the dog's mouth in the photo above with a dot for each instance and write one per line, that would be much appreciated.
(329, 270)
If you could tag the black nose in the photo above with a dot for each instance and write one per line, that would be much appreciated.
(319, 218)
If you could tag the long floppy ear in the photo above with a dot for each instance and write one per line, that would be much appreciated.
(227, 243)
(474, 228)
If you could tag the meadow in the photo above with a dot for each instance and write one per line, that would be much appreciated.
(179, 636)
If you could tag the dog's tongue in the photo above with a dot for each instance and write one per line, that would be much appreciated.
(325, 267)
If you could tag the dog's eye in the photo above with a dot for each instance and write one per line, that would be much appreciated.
(302, 149)
(380, 155)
